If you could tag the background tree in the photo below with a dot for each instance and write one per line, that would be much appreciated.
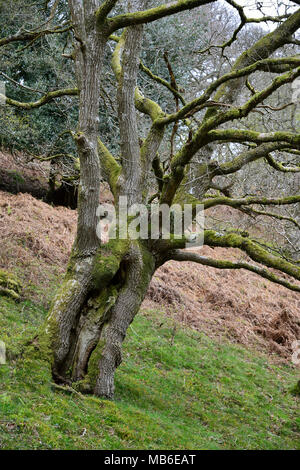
(105, 285)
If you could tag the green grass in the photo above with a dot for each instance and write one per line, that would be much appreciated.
(172, 392)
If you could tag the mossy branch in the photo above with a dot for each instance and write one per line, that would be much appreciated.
(52, 157)
(142, 104)
(116, 56)
(147, 106)
(33, 35)
(245, 201)
(182, 255)
(206, 134)
(247, 157)
(253, 250)
(158, 171)
(280, 167)
(117, 69)
(228, 87)
(251, 104)
(263, 48)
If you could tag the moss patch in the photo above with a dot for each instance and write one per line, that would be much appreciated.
(9, 285)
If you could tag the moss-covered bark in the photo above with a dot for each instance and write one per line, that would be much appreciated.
(88, 320)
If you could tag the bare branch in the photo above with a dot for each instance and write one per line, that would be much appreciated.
(235, 240)
(265, 65)
(247, 157)
(243, 21)
(20, 85)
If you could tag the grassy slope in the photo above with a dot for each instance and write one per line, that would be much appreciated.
(176, 389)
